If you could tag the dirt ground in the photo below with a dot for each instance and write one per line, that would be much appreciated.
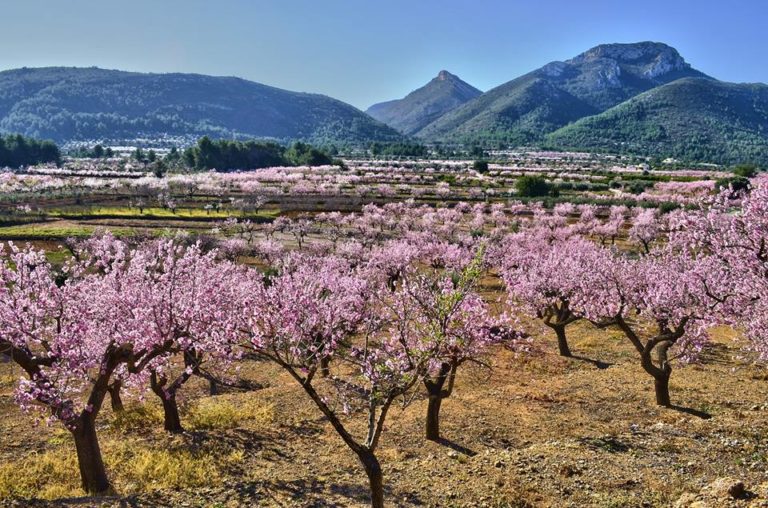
(538, 430)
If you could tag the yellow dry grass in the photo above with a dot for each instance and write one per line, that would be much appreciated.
(224, 412)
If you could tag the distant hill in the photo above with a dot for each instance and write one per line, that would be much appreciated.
(635, 98)
(424, 105)
(525, 109)
(691, 119)
(78, 104)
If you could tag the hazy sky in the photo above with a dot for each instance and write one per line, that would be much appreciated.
(366, 51)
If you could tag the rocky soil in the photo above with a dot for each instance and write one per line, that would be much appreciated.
(538, 430)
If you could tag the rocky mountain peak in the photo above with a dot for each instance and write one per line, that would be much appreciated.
(443, 93)
(444, 76)
(651, 59)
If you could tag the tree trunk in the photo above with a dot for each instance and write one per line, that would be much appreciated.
(172, 420)
(661, 372)
(433, 417)
(562, 341)
(436, 395)
(114, 397)
(375, 477)
(325, 363)
(213, 386)
(93, 475)
(661, 384)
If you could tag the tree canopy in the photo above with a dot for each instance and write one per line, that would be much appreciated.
(17, 151)
(227, 155)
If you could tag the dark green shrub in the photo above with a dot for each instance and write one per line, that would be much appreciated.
(745, 170)
(531, 186)
(480, 166)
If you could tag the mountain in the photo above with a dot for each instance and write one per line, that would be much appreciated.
(79, 104)
(424, 105)
(690, 119)
(525, 109)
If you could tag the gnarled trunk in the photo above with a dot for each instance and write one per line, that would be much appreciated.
(114, 396)
(562, 341)
(661, 385)
(93, 475)
(661, 369)
(557, 316)
(171, 418)
(436, 394)
(213, 386)
(433, 417)
(325, 363)
(375, 477)
(661, 372)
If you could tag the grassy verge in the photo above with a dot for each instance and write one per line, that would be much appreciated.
(54, 231)
(124, 212)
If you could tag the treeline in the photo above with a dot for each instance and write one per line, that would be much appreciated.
(225, 155)
(97, 152)
(398, 149)
(436, 149)
(17, 151)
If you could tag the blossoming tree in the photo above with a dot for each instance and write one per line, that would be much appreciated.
(657, 302)
(443, 323)
(62, 332)
(542, 275)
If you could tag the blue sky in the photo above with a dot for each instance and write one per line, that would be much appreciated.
(367, 51)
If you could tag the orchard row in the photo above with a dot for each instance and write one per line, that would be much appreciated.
(455, 180)
(379, 305)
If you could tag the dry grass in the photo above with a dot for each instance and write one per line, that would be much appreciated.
(224, 412)
(8, 381)
(140, 457)
(49, 475)
(137, 417)
(134, 467)
(138, 468)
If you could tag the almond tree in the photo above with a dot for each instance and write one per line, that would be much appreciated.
(751, 226)
(390, 261)
(385, 338)
(61, 332)
(731, 235)
(442, 323)
(609, 230)
(311, 312)
(542, 275)
(185, 298)
(646, 228)
(658, 302)
(102, 253)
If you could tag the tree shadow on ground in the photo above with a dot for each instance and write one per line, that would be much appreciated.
(297, 490)
(609, 444)
(248, 440)
(86, 501)
(597, 363)
(689, 410)
(314, 493)
(457, 447)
